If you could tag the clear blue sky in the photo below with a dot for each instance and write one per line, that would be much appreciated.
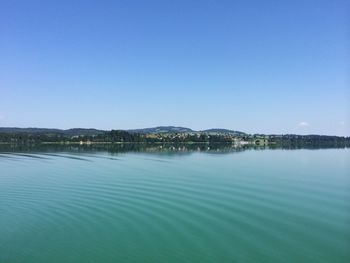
(255, 66)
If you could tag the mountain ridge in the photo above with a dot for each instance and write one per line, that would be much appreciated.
(153, 130)
(92, 131)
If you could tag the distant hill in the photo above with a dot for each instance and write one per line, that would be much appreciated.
(90, 132)
(29, 130)
(161, 129)
(223, 131)
(81, 131)
(171, 129)
(69, 132)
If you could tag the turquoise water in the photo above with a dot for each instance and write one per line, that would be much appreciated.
(252, 206)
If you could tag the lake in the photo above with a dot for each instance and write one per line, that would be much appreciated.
(175, 205)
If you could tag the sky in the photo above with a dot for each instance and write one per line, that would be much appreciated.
(253, 66)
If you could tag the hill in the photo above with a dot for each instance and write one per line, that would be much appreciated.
(161, 129)
(91, 132)
(223, 131)
(68, 132)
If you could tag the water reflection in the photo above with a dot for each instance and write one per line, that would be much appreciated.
(170, 148)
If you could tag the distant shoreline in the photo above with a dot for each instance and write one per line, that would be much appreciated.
(111, 143)
(163, 135)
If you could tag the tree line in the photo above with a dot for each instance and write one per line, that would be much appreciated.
(121, 136)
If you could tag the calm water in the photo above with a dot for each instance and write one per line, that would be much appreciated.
(251, 206)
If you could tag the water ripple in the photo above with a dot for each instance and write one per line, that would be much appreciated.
(173, 209)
